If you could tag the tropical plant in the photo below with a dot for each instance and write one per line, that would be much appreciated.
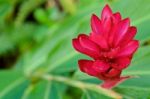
(37, 58)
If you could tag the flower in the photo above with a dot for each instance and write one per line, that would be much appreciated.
(110, 44)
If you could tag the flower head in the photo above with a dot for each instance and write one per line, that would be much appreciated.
(111, 44)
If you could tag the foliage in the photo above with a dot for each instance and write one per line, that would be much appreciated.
(44, 64)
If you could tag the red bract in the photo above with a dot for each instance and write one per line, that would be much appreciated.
(111, 44)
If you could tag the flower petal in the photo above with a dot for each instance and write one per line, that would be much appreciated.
(121, 63)
(128, 36)
(88, 44)
(80, 48)
(107, 25)
(106, 13)
(93, 68)
(116, 17)
(76, 44)
(99, 40)
(96, 25)
(122, 30)
(112, 35)
(113, 73)
(129, 49)
(113, 52)
(86, 67)
(100, 66)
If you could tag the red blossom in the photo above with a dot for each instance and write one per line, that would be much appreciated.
(111, 44)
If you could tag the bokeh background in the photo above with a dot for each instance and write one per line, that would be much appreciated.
(37, 60)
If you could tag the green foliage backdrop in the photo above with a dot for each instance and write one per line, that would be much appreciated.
(37, 58)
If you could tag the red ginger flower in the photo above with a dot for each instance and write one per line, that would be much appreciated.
(111, 44)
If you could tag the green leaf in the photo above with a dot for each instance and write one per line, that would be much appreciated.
(11, 80)
(43, 90)
(92, 95)
(134, 92)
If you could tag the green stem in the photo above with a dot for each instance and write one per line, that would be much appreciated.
(27, 92)
(81, 85)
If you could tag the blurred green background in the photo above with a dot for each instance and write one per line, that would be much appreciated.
(37, 60)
